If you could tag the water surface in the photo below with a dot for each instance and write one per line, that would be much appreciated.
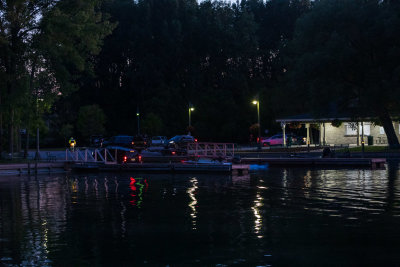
(276, 217)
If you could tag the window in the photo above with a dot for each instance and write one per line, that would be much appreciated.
(367, 129)
(381, 130)
(351, 128)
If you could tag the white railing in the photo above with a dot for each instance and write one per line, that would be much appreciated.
(211, 150)
(90, 155)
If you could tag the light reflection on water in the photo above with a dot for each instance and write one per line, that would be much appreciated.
(275, 217)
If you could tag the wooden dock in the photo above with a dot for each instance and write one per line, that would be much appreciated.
(323, 162)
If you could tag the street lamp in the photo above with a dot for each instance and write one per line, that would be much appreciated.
(257, 102)
(138, 123)
(191, 108)
(190, 115)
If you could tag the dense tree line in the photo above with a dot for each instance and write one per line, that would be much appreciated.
(44, 47)
(167, 54)
(161, 56)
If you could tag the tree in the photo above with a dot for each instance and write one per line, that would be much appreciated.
(152, 124)
(91, 120)
(347, 53)
(44, 47)
(66, 132)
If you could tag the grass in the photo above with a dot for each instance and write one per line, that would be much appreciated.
(374, 149)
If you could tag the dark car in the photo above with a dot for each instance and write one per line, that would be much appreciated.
(123, 154)
(119, 140)
(96, 140)
(139, 142)
(158, 140)
(181, 140)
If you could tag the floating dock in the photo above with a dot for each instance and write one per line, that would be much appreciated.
(166, 167)
(319, 162)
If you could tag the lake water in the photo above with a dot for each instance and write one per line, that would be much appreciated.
(278, 217)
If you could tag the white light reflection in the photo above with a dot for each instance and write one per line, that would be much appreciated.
(116, 187)
(307, 184)
(192, 194)
(106, 186)
(258, 203)
(45, 237)
(123, 220)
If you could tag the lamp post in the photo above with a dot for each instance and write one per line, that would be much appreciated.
(257, 102)
(138, 121)
(191, 108)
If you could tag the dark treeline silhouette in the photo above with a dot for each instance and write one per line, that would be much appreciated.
(167, 54)
(84, 68)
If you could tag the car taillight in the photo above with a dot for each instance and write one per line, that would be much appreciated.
(195, 140)
(125, 158)
(173, 152)
(140, 158)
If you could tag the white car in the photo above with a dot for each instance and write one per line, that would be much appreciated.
(158, 140)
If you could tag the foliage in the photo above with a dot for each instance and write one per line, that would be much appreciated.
(91, 120)
(166, 54)
(152, 124)
(254, 129)
(347, 53)
(336, 123)
(66, 131)
(44, 47)
(295, 125)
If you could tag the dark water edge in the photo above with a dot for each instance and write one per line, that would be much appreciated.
(278, 217)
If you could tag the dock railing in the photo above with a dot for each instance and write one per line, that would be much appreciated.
(211, 150)
(87, 155)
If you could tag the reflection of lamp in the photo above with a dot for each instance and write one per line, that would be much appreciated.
(192, 204)
(257, 215)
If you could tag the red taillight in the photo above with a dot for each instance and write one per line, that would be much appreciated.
(195, 140)
(173, 152)
(125, 158)
(133, 143)
(140, 158)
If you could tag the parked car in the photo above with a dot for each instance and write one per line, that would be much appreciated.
(277, 139)
(158, 140)
(181, 141)
(96, 140)
(139, 142)
(119, 140)
(124, 155)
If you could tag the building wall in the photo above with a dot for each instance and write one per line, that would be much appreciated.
(337, 136)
